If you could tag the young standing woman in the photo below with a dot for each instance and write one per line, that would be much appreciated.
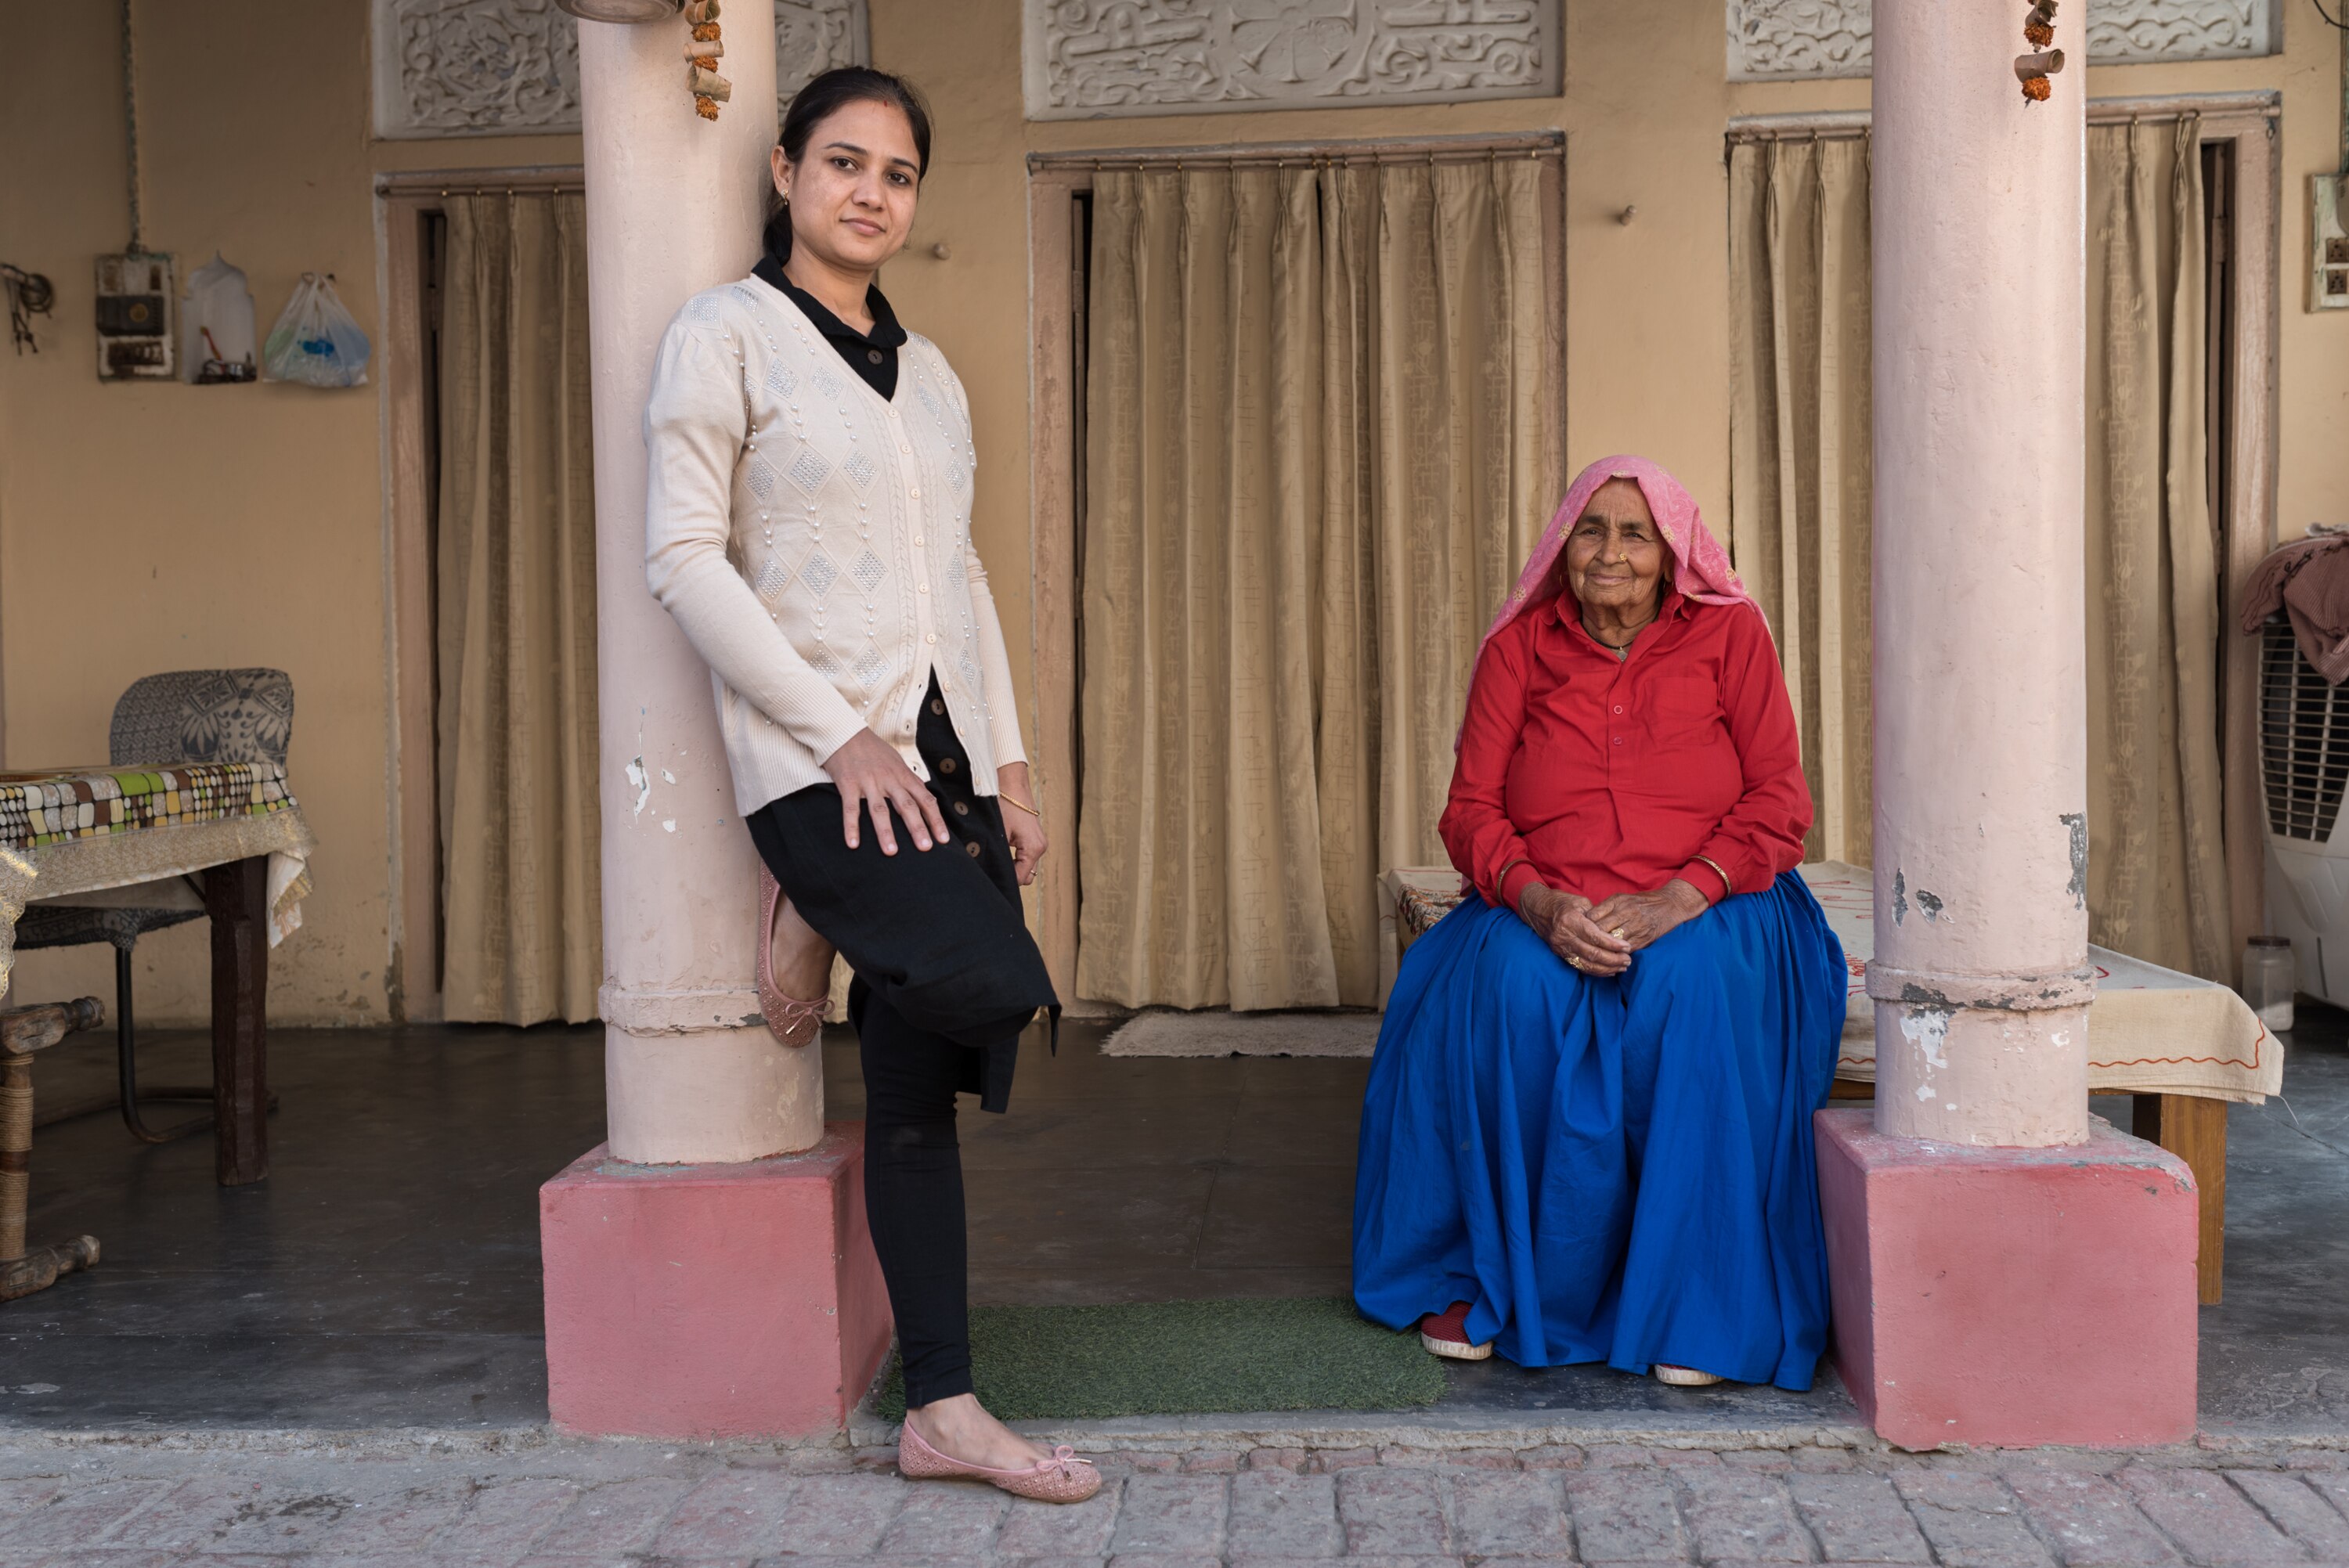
(809, 525)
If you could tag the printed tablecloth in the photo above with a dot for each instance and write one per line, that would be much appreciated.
(2150, 1031)
(91, 830)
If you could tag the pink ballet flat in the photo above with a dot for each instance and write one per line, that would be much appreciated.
(792, 1021)
(1063, 1477)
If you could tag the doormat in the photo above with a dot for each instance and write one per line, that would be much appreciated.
(1165, 1032)
(1185, 1357)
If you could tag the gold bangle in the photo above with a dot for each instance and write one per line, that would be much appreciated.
(1023, 805)
(1728, 888)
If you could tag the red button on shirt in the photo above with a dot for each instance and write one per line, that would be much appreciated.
(1708, 762)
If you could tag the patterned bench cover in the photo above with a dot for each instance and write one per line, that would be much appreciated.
(2151, 1030)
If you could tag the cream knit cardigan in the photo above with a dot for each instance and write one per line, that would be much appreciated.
(813, 542)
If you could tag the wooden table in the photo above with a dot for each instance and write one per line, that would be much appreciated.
(133, 836)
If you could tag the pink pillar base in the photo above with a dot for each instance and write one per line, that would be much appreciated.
(2010, 1297)
(711, 1301)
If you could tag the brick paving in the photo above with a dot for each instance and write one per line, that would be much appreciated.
(529, 1503)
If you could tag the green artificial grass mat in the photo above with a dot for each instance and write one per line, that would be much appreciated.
(1185, 1357)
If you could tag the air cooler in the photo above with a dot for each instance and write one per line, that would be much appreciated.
(2303, 767)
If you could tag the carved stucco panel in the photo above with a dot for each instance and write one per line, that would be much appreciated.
(1103, 58)
(1779, 39)
(509, 68)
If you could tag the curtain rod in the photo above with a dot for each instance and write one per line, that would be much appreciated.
(1425, 150)
(482, 182)
(2264, 104)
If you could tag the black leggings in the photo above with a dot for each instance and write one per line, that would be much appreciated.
(913, 1194)
(947, 978)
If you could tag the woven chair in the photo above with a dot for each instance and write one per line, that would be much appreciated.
(185, 716)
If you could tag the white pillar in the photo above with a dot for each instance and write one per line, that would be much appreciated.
(1980, 976)
(674, 206)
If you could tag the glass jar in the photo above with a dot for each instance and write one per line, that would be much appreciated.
(2268, 976)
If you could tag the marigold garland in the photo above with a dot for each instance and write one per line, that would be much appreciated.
(702, 51)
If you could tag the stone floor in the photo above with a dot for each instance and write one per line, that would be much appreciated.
(386, 1276)
(653, 1506)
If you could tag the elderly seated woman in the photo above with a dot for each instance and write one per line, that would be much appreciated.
(1587, 1135)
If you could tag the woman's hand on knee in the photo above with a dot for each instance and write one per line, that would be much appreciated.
(868, 772)
(1643, 917)
(1564, 920)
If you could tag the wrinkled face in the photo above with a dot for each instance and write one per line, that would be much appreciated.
(852, 191)
(1614, 559)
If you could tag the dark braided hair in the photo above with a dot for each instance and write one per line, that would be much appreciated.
(818, 101)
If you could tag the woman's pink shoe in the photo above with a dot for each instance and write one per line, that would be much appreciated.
(1063, 1477)
(792, 1021)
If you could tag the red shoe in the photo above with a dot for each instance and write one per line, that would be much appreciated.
(1446, 1333)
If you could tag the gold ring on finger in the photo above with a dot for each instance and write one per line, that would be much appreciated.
(1572, 962)
(1616, 933)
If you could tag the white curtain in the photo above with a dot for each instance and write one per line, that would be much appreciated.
(1799, 504)
(1321, 436)
(520, 899)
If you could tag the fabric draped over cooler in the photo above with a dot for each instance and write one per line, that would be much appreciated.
(1800, 510)
(1323, 429)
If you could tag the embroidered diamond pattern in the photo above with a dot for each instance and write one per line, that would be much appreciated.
(771, 580)
(821, 662)
(870, 664)
(826, 382)
(780, 380)
(807, 470)
(868, 571)
(739, 292)
(969, 674)
(928, 402)
(819, 574)
(961, 478)
(762, 480)
(861, 468)
(702, 309)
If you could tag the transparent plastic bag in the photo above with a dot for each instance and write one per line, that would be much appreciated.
(216, 333)
(315, 341)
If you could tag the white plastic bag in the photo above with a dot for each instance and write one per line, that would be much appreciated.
(315, 341)
(216, 335)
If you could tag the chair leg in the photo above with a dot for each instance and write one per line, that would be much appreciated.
(126, 1061)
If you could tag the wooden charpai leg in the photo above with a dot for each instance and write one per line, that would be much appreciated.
(236, 897)
(24, 1031)
(2195, 1129)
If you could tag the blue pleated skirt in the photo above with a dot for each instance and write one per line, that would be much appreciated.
(1613, 1170)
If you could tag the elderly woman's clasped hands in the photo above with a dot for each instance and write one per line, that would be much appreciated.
(1600, 938)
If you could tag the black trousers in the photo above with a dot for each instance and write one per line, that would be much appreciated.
(947, 978)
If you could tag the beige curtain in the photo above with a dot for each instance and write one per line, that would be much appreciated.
(1799, 478)
(1321, 436)
(1798, 427)
(2157, 863)
(521, 913)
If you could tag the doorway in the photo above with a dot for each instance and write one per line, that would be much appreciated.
(1300, 411)
(491, 642)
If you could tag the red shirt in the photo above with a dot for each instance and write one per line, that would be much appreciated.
(1599, 777)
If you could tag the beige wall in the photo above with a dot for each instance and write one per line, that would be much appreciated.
(145, 528)
(148, 527)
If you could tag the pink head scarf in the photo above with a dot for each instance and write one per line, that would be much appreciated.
(1700, 568)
